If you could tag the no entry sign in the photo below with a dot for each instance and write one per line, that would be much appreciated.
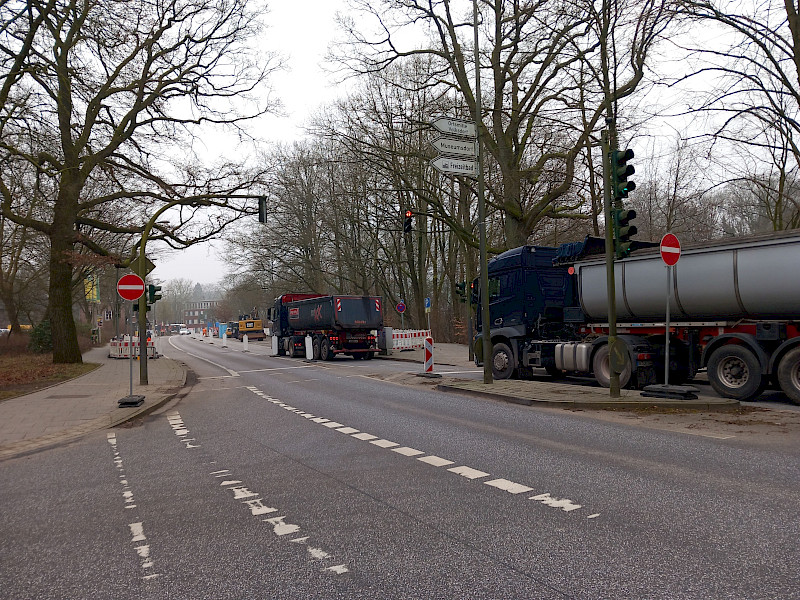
(130, 287)
(670, 249)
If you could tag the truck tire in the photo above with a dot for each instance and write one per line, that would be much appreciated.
(502, 361)
(316, 346)
(325, 352)
(368, 355)
(789, 374)
(601, 366)
(734, 372)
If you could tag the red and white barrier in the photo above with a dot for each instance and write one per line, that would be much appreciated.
(409, 339)
(428, 355)
(122, 348)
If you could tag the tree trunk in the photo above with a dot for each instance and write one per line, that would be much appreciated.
(59, 306)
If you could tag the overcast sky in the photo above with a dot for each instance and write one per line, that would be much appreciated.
(301, 31)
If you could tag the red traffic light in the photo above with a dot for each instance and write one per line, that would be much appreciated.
(409, 214)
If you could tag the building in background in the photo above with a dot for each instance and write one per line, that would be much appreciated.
(200, 315)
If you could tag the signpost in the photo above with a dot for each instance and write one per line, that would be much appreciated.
(131, 287)
(457, 155)
(455, 166)
(401, 308)
(461, 127)
(670, 253)
(456, 147)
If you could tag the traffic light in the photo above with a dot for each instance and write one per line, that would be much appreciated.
(623, 230)
(262, 209)
(461, 290)
(620, 171)
(407, 221)
(153, 293)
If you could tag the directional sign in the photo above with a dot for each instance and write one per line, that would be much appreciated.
(130, 287)
(136, 267)
(670, 249)
(456, 147)
(427, 305)
(456, 127)
(455, 166)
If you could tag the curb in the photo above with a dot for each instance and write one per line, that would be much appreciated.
(721, 404)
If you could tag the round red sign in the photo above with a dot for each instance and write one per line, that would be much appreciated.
(670, 249)
(130, 287)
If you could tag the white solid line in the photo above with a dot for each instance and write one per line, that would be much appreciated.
(509, 486)
(365, 436)
(436, 461)
(384, 443)
(468, 472)
(231, 371)
(406, 451)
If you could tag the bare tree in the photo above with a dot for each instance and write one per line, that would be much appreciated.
(116, 109)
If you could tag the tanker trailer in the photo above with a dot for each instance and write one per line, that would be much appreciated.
(734, 310)
(336, 324)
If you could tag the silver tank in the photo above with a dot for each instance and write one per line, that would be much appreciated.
(737, 278)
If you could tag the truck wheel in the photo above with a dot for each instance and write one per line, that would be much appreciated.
(789, 375)
(368, 355)
(601, 365)
(315, 345)
(502, 361)
(325, 349)
(734, 372)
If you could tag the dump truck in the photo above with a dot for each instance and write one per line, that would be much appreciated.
(734, 311)
(337, 324)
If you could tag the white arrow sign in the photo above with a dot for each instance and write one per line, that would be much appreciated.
(455, 166)
(456, 147)
(456, 127)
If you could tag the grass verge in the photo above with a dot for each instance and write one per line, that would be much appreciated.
(24, 373)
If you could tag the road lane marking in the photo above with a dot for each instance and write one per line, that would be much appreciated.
(509, 486)
(347, 430)
(468, 472)
(231, 372)
(436, 461)
(565, 504)
(406, 451)
(137, 528)
(385, 443)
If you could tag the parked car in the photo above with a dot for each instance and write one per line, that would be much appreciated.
(185, 331)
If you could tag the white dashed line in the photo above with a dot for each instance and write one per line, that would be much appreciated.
(347, 430)
(406, 451)
(509, 486)
(468, 472)
(436, 461)
(385, 443)
(565, 504)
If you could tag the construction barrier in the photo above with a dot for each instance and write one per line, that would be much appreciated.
(409, 339)
(428, 355)
(122, 348)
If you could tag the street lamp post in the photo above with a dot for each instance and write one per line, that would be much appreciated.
(142, 266)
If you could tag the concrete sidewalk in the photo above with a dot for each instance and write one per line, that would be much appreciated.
(69, 410)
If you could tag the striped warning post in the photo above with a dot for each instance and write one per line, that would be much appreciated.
(429, 355)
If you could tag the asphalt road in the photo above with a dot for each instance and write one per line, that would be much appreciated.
(277, 478)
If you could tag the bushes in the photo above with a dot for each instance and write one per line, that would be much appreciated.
(41, 341)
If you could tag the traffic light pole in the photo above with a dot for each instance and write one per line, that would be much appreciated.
(610, 282)
(484, 308)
